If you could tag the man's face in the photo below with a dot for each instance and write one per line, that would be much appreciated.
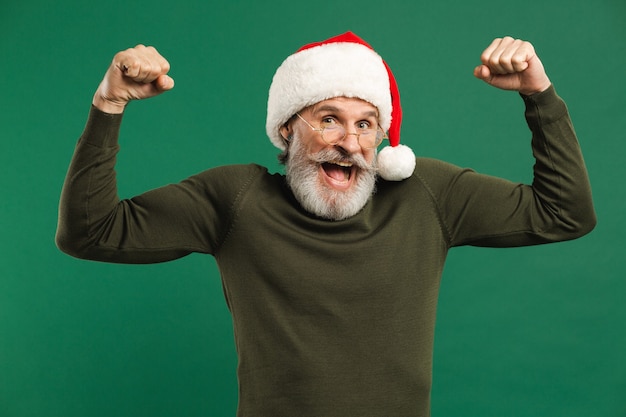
(332, 181)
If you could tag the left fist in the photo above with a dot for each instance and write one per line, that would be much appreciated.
(512, 64)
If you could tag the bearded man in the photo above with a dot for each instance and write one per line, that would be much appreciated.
(331, 271)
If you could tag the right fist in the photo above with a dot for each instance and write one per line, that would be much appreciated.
(134, 74)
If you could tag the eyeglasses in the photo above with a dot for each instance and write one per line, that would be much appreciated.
(333, 133)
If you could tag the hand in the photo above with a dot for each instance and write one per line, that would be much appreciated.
(512, 64)
(134, 74)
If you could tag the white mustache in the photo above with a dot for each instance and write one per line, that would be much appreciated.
(330, 155)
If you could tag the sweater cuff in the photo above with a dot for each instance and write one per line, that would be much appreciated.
(102, 129)
(545, 107)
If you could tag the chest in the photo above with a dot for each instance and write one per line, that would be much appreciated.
(387, 255)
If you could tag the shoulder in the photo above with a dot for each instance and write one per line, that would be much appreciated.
(433, 172)
(232, 174)
(233, 180)
(433, 180)
(428, 172)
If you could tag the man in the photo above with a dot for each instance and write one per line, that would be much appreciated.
(331, 272)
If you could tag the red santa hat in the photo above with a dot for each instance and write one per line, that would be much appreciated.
(342, 66)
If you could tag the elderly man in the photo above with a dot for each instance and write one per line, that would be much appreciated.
(331, 271)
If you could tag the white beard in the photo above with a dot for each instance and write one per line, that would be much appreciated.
(302, 173)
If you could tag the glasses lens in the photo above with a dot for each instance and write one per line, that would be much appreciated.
(368, 138)
(380, 136)
(333, 134)
(371, 138)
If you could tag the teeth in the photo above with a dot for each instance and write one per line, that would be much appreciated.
(341, 164)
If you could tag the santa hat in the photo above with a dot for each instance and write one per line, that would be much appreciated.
(346, 66)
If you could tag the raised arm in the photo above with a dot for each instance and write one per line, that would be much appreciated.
(557, 206)
(93, 222)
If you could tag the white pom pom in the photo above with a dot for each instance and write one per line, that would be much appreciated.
(396, 163)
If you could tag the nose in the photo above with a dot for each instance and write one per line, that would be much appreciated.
(350, 144)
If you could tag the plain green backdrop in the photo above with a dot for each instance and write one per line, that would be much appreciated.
(521, 332)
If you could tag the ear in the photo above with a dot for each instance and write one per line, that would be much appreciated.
(286, 131)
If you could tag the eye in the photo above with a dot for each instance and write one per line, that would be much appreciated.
(363, 124)
(328, 121)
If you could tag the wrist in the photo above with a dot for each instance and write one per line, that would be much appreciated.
(536, 89)
(108, 106)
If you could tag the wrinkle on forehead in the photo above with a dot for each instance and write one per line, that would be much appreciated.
(344, 105)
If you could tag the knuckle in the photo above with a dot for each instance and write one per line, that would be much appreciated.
(119, 56)
(147, 67)
(517, 59)
(527, 46)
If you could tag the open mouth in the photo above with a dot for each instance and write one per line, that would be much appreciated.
(338, 172)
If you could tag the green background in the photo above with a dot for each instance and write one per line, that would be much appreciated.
(521, 332)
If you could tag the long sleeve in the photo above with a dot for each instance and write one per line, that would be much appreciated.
(160, 225)
(482, 210)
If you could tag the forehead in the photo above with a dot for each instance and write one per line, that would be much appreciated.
(344, 105)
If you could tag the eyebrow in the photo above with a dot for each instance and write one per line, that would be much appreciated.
(334, 109)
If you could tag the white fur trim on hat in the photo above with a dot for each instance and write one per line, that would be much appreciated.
(327, 71)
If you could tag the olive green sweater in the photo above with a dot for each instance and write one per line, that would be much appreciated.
(331, 318)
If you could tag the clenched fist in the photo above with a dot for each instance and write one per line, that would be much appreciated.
(512, 64)
(134, 74)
